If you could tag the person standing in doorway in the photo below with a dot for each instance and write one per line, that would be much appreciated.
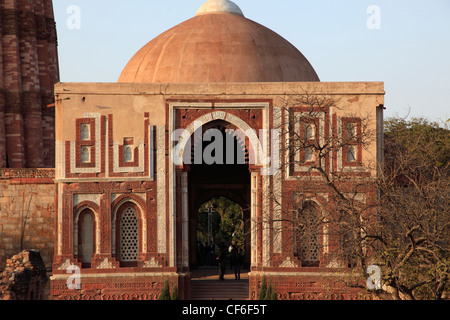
(222, 259)
(237, 260)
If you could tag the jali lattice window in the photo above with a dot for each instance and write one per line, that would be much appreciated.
(307, 235)
(129, 236)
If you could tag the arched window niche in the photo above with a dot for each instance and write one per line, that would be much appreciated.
(84, 233)
(126, 232)
(307, 234)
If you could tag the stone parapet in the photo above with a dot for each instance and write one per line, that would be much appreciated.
(26, 173)
(319, 285)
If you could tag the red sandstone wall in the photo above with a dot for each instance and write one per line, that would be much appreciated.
(306, 286)
(16, 189)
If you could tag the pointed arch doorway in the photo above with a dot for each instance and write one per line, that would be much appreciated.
(227, 176)
(191, 183)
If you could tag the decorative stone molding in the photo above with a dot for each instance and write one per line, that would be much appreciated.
(66, 265)
(161, 189)
(96, 140)
(79, 198)
(116, 155)
(288, 263)
(105, 264)
(219, 115)
(152, 263)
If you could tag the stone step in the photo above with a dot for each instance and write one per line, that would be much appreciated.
(219, 290)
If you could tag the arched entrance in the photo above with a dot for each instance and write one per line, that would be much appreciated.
(204, 166)
(223, 171)
(227, 176)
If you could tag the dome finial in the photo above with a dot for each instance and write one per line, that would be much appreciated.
(219, 6)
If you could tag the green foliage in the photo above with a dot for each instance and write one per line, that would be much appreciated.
(165, 291)
(263, 290)
(174, 295)
(428, 142)
(227, 222)
(414, 201)
(267, 292)
(202, 226)
(271, 294)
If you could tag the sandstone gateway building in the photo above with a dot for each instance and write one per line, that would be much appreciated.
(130, 178)
(28, 73)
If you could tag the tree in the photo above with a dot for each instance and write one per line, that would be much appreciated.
(271, 294)
(202, 227)
(426, 141)
(165, 291)
(414, 189)
(227, 222)
(397, 220)
(174, 296)
(267, 292)
(263, 290)
(349, 205)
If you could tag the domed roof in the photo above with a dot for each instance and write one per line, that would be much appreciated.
(218, 45)
(219, 6)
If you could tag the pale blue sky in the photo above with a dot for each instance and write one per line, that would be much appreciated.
(410, 53)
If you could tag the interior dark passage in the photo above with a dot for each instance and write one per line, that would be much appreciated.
(228, 177)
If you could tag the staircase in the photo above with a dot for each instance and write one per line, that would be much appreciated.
(219, 290)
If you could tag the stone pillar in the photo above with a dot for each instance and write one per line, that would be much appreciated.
(182, 219)
(178, 220)
(103, 252)
(185, 220)
(256, 219)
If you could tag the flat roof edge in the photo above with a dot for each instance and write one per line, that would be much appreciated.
(243, 88)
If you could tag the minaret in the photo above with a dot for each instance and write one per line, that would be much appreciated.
(29, 70)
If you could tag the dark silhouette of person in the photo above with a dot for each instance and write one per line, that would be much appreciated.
(222, 259)
(237, 261)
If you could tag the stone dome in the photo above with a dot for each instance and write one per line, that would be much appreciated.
(219, 6)
(218, 45)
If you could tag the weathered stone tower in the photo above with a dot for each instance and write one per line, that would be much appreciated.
(28, 72)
